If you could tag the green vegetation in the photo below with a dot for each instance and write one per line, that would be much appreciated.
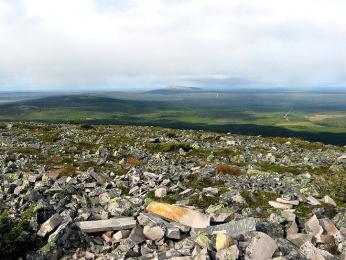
(68, 171)
(168, 147)
(170, 198)
(195, 182)
(305, 210)
(260, 199)
(16, 237)
(312, 116)
(202, 201)
(280, 169)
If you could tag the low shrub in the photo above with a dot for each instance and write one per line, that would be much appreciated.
(226, 169)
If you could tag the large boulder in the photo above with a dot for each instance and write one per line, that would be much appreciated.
(185, 216)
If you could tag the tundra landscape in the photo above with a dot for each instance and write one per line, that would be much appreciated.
(172, 129)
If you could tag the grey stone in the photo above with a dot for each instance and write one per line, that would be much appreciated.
(261, 247)
(50, 225)
(106, 225)
(313, 227)
(230, 253)
(314, 253)
(154, 233)
(236, 228)
(121, 234)
(136, 235)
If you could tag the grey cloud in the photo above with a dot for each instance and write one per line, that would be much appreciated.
(116, 43)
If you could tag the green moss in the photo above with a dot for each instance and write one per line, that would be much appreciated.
(223, 190)
(124, 190)
(305, 210)
(122, 171)
(50, 137)
(202, 201)
(280, 169)
(16, 237)
(25, 151)
(83, 146)
(259, 199)
(203, 240)
(151, 194)
(224, 153)
(199, 153)
(13, 176)
(171, 135)
(199, 183)
(170, 198)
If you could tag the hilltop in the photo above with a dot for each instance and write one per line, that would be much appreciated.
(119, 192)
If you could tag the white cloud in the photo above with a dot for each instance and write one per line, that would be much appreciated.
(142, 42)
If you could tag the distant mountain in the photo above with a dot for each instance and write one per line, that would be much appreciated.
(174, 90)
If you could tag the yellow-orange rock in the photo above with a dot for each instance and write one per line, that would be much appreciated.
(184, 216)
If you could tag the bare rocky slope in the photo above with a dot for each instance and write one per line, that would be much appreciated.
(124, 192)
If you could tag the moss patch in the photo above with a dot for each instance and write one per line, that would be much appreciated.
(202, 201)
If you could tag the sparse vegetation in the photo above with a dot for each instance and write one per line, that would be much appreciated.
(16, 236)
(133, 161)
(226, 169)
(168, 147)
(203, 201)
(68, 171)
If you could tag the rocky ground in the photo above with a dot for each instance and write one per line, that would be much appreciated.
(125, 192)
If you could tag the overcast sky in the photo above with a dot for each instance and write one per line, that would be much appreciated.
(97, 44)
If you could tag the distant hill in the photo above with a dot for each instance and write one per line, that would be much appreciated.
(78, 102)
(174, 90)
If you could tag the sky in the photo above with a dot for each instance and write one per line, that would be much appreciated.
(130, 44)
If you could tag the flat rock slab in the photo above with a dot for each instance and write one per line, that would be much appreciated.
(261, 247)
(48, 226)
(312, 201)
(234, 229)
(291, 202)
(279, 205)
(313, 227)
(185, 216)
(106, 225)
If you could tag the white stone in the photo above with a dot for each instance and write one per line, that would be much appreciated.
(291, 202)
(121, 234)
(328, 200)
(312, 201)
(313, 227)
(288, 214)
(314, 253)
(106, 225)
(211, 190)
(161, 192)
(154, 233)
(299, 239)
(279, 205)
